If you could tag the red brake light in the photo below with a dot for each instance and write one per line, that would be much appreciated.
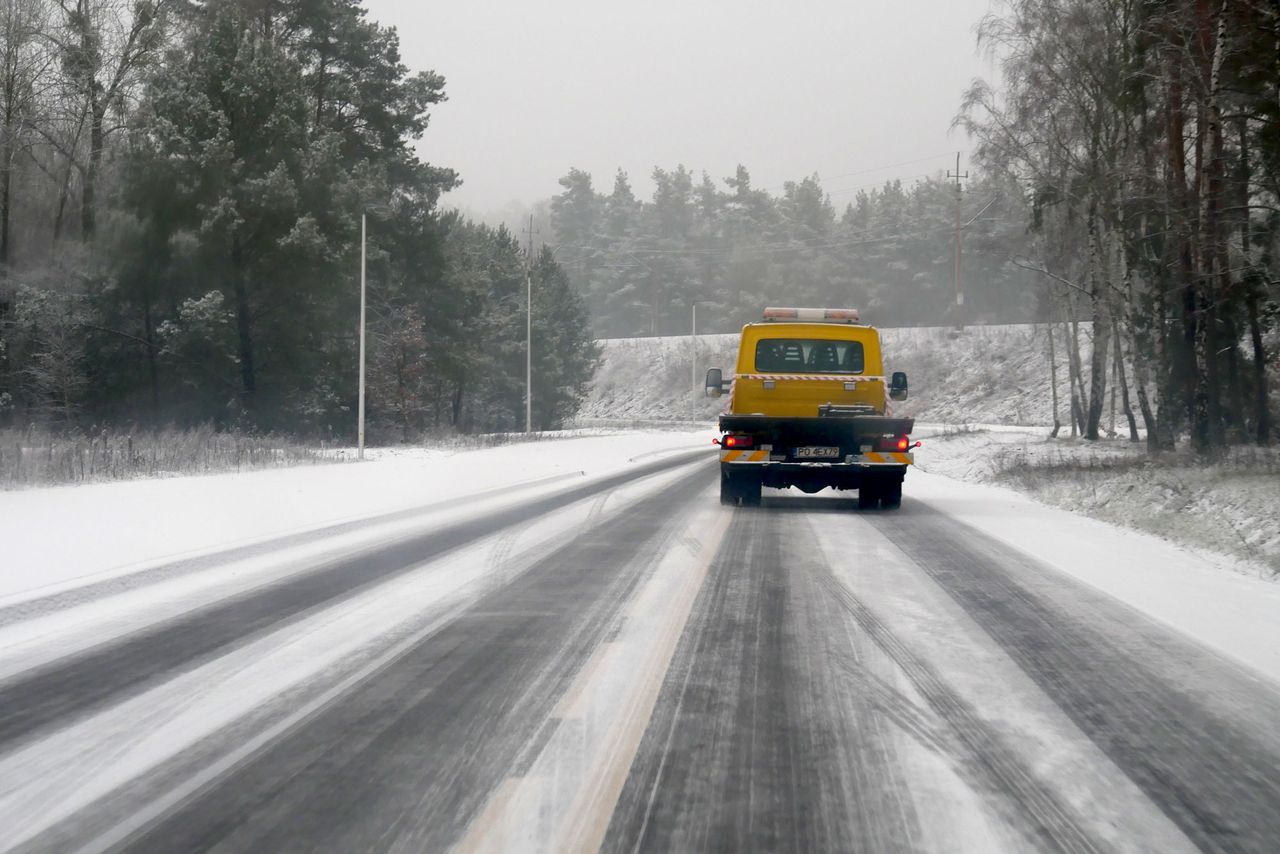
(903, 443)
(738, 442)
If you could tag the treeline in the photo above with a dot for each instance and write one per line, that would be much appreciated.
(181, 192)
(1148, 135)
(732, 248)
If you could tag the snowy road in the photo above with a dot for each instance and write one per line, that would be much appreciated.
(616, 661)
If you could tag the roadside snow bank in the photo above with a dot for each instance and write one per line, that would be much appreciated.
(64, 536)
(1192, 591)
(1228, 507)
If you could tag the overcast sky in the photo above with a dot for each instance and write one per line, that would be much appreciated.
(854, 90)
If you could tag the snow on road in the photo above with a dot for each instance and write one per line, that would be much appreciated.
(555, 641)
(277, 679)
(61, 537)
(1235, 613)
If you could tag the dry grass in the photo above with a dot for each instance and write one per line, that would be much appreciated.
(1087, 463)
(42, 458)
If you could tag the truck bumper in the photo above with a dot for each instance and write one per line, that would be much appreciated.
(869, 459)
(851, 473)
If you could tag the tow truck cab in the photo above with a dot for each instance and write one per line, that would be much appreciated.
(809, 407)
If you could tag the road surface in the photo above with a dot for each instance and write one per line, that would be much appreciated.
(625, 665)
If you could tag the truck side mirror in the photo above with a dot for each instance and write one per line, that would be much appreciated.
(715, 382)
(898, 386)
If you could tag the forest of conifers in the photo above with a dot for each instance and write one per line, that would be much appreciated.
(181, 187)
(1126, 172)
(181, 190)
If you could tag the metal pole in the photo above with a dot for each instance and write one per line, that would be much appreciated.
(363, 256)
(693, 333)
(959, 292)
(528, 352)
(959, 307)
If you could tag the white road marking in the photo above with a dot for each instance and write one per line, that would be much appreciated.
(567, 797)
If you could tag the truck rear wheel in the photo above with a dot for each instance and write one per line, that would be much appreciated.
(728, 493)
(891, 496)
(739, 486)
(868, 496)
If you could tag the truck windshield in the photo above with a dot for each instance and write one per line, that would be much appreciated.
(794, 355)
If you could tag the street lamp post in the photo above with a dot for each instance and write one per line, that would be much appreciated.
(528, 349)
(363, 259)
(693, 333)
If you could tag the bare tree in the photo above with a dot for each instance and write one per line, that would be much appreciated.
(105, 46)
(24, 73)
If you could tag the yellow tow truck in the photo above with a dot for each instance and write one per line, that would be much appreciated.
(809, 407)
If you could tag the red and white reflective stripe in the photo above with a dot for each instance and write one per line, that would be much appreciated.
(882, 458)
(835, 378)
(744, 456)
(846, 315)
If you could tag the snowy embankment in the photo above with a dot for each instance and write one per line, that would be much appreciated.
(987, 375)
(1228, 508)
(66, 537)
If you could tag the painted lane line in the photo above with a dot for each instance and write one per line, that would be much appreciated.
(565, 799)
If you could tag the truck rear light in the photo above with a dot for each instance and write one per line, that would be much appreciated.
(738, 441)
(897, 443)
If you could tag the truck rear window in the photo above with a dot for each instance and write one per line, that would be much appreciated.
(795, 355)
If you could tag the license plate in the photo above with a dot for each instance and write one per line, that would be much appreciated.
(817, 453)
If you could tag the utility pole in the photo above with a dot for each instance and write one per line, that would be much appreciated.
(693, 334)
(363, 265)
(528, 334)
(959, 229)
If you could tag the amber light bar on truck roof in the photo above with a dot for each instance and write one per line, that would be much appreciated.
(824, 315)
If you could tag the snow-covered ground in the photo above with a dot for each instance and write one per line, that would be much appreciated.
(61, 537)
(986, 394)
(118, 540)
(1227, 511)
(1213, 597)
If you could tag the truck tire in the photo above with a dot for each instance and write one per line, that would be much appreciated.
(728, 490)
(868, 495)
(891, 496)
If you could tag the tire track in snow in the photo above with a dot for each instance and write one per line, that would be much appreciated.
(759, 741)
(43, 698)
(1157, 704)
(1050, 824)
(35, 604)
(408, 757)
